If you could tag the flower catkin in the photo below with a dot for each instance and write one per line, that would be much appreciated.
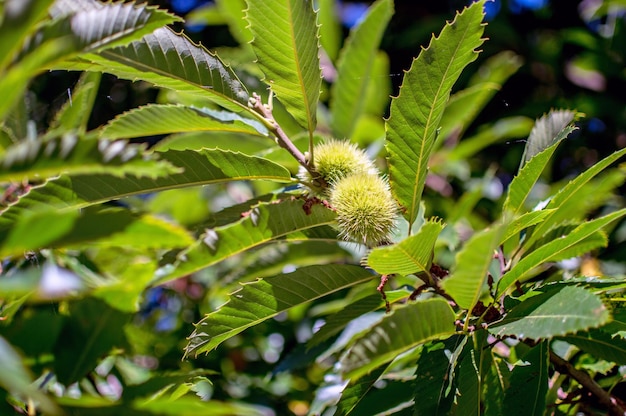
(366, 210)
(334, 160)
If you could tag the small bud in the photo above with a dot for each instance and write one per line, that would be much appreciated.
(334, 160)
(366, 210)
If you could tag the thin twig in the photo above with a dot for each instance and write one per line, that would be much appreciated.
(384, 278)
(604, 398)
(281, 138)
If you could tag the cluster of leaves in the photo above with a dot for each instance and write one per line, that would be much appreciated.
(455, 315)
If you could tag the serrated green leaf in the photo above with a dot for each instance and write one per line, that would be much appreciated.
(72, 155)
(201, 167)
(354, 67)
(262, 224)
(555, 250)
(169, 60)
(86, 30)
(93, 26)
(526, 396)
(236, 142)
(523, 182)
(412, 255)
(559, 311)
(467, 280)
(416, 113)
(546, 131)
(154, 119)
(600, 344)
(286, 45)
(264, 299)
(406, 327)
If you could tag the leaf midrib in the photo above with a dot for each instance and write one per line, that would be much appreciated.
(307, 105)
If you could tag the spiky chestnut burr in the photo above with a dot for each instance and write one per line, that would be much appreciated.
(334, 160)
(366, 210)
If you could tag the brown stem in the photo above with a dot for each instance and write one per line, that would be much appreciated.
(281, 138)
(384, 278)
(604, 398)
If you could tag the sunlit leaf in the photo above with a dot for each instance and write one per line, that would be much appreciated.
(73, 155)
(569, 196)
(91, 29)
(261, 224)
(35, 230)
(416, 112)
(155, 119)
(201, 167)
(274, 258)
(412, 255)
(169, 60)
(555, 250)
(192, 406)
(286, 45)
(547, 130)
(258, 301)
(506, 128)
(467, 280)
(523, 222)
(523, 182)
(93, 26)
